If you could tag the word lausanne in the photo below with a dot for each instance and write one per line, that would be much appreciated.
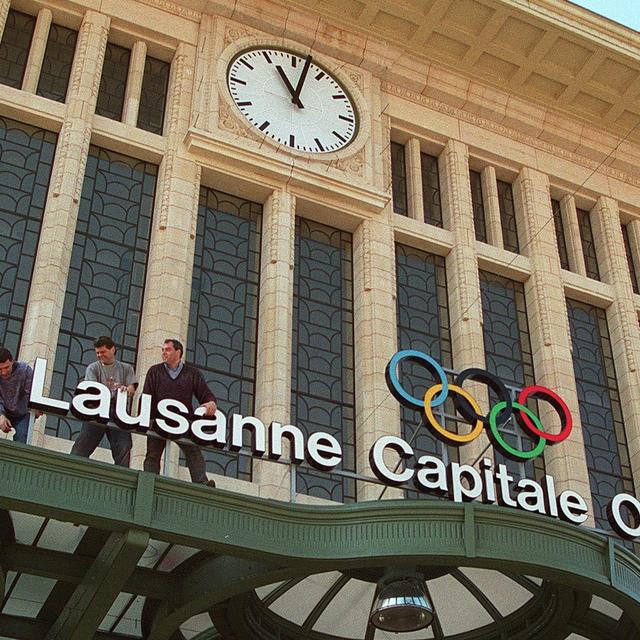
(92, 401)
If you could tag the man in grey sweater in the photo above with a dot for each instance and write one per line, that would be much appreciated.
(120, 378)
(15, 389)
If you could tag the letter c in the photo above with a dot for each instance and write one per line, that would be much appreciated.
(378, 466)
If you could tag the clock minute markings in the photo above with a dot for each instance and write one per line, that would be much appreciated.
(264, 125)
(337, 135)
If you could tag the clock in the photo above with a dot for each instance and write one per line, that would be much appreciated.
(292, 99)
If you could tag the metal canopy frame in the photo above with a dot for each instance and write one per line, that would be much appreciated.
(248, 542)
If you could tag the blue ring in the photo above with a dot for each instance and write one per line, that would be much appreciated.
(391, 376)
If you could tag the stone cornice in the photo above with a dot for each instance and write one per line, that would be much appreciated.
(511, 133)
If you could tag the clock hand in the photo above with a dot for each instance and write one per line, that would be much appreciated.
(303, 77)
(294, 98)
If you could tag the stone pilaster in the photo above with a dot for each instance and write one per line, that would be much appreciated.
(465, 306)
(273, 366)
(572, 235)
(549, 329)
(36, 52)
(168, 285)
(375, 329)
(621, 319)
(5, 5)
(633, 229)
(492, 207)
(413, 162)
(48, 284)
(134, 83)
(205, 101)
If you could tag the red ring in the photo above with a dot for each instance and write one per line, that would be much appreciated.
(557, 403)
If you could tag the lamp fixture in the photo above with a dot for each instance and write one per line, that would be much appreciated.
(401, 603)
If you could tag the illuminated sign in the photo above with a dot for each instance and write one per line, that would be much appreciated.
(494, 485)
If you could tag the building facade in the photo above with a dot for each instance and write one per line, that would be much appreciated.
(480, 205)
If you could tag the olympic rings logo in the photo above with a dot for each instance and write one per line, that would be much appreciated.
(467, 406)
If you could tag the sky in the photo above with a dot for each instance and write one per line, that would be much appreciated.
(626, 12)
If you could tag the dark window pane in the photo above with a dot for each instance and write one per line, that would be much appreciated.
(14, 47)
(423, 324)
(588, 246)
(56, 66)
(322, 385)
(26, 158)
(224, 310)
(113, 82)
(508, 355)
(154, 95)
(398, 179)
(600, 409)
(560, 237)
(630, 260)
(431, 189)
(107, 273)
(478, 206)
(508, 217)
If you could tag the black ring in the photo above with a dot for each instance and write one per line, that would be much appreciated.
(494, 383)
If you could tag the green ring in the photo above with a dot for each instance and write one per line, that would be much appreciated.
(525, 455)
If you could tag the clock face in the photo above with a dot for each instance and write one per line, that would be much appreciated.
(291, 99)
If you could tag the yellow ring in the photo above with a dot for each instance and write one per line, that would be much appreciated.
(456, 437)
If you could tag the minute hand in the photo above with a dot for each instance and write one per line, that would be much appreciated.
(303, 75)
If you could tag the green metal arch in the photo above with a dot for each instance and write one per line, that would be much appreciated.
(288, 539)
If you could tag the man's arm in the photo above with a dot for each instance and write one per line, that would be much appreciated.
(204, 395)
(28, 382)
(149, 382)
(91, 372)
(130, 379)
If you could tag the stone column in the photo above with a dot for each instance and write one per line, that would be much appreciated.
(49, 281)
(375, 329)
(413, 162)
(465, 306)
(5, 5)
(491, 204)
(621, 319)
(273, 365)
(134, 84)
(168, 285)
(549, 328)
(572, 235)
(36, 51)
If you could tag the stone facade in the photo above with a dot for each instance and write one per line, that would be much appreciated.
(401, 96)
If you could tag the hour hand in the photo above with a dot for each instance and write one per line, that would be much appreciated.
(294, 98)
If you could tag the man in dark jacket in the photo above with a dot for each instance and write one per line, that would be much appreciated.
(178, 380)
(15, 389)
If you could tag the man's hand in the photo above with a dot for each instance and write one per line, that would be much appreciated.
(130, 389)
(211, 408)
(5, 424)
